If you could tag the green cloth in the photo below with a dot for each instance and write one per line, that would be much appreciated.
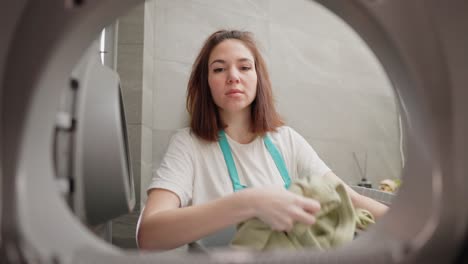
(336, 222)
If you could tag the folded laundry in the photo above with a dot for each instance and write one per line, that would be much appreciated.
(336, 222)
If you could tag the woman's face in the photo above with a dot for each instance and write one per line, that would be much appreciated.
(232, 76)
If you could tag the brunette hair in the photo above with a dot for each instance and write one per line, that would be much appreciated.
(205, 121)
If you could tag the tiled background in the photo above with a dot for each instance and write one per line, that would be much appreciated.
(327, 83)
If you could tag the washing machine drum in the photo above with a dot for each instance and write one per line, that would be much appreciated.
(422, 45)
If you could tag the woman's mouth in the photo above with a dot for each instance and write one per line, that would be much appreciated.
(234, 92)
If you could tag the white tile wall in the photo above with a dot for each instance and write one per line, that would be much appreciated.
(147, 107)
(130, 65)
(138, 108)
(132, 100)
(169, 94)
(181, 26)
(131, 26)
(134, 141)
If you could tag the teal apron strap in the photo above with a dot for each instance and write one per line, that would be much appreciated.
(274, 152)
(279, 161)
(223, 143)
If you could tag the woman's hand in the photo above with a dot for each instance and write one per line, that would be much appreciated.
(280, 208)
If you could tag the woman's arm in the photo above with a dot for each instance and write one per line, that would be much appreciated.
(165, 226)
(360, 201)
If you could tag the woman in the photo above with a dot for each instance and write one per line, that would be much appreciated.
(236, 159)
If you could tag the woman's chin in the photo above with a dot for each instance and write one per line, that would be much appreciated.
(235, 108)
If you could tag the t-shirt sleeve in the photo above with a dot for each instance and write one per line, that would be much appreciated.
(308, 161)
(177, 168)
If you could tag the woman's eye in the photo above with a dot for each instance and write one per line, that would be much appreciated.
(218, 69)
(245, 68)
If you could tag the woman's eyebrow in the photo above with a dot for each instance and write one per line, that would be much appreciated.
(219, 61)
(239, 60)
(245, 59)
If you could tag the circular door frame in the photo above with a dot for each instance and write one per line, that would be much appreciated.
(418, 43)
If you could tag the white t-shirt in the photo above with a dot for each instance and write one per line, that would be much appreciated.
(195, 170)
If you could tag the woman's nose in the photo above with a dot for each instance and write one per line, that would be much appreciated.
(233, 76)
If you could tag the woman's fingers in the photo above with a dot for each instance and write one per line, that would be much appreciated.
(280, 208)
(310, 205)
(284, 224)
(299, 215)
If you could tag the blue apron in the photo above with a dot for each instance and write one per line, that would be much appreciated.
(223, 237)
(274, 152)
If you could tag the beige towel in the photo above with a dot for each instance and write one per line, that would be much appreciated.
(336, 222)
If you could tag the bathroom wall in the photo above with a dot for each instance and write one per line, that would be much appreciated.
(327, 83)
(137, 99)
(137, 92)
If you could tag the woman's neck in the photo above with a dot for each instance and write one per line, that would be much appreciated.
(238, 125)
